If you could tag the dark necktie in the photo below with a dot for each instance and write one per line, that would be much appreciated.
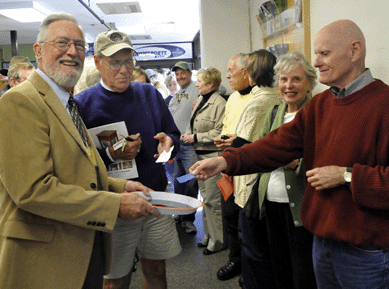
(75, 115)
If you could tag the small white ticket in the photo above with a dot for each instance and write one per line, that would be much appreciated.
(165, 156)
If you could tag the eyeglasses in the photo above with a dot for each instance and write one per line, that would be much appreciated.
(116, 65)
(232, 71)
(64, 44)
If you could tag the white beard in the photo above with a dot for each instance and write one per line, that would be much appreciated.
(60, 77)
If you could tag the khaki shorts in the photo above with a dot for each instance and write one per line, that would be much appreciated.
(153, 238)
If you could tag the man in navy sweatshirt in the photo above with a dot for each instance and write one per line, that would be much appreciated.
(151, 126)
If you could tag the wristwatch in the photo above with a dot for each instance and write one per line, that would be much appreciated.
(347, 176)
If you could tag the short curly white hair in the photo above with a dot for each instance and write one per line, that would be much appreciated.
(288, 61)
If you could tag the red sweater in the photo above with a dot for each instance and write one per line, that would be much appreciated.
(350, 132)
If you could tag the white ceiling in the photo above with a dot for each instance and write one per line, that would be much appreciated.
(165, 21)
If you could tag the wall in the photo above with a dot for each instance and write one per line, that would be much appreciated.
(370, 16)
(23, 49)
(255, 31)
(225, 32)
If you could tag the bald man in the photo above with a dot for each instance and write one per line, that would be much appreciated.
(343, 135)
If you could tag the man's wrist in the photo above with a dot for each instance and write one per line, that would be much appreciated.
(347, 175)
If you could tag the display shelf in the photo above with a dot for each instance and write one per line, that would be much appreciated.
(291, 27)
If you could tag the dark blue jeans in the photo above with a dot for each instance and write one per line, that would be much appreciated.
(342, 265)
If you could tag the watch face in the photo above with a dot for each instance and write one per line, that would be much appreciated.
(347, 177)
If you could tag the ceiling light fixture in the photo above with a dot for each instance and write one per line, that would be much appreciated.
(24, 11)
(133, 29)
(120, 7)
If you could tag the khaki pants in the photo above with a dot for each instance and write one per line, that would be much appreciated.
(212, 211)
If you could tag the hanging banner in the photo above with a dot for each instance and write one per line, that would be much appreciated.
(163, 51)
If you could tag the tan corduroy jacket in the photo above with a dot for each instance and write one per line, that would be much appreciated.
(49, 203)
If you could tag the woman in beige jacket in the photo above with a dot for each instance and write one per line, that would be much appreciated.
(206, 123)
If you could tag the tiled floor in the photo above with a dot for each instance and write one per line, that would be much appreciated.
(191, 269)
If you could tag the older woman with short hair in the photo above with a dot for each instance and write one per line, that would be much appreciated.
(206, 122)
(280, 248)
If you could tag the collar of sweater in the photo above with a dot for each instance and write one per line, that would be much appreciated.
(245, 91)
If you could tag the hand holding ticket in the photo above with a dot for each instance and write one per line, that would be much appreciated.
(185, 178)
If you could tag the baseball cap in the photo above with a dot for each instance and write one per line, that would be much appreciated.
(150, 72)
(110, 42)
(182, 65)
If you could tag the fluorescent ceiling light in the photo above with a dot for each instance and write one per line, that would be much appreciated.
(23, 11)
(119, 7)
(133, 29)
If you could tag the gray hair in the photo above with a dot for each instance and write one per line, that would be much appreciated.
(138, 71)
(44, 27)
(211, 75)
(89, 77)
(287, 62)
(242, 60)
(13, 71)
(170, 78)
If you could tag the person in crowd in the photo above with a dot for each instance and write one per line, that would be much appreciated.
(276, 249)
(260, 68)
(19, 72)
(161, 74)
(342, 135)
(172, 86)
(89, 77)
(19, 59)
(140, 75)
(238, 78)
(151, 127)
(206, 122)
(159, 85)
(58, 207)
(180, 107)
(16, 73)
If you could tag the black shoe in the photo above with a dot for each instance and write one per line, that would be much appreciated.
(241, 282)
(208, 252)
(201, 245)
(229, 270)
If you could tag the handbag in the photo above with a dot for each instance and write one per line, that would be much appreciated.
(251, 208)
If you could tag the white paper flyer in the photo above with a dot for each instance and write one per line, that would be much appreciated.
(106, 136)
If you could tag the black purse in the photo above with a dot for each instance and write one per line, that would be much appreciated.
(251, 208)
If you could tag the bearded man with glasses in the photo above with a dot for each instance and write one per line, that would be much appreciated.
(151, 126)
(58, 208)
